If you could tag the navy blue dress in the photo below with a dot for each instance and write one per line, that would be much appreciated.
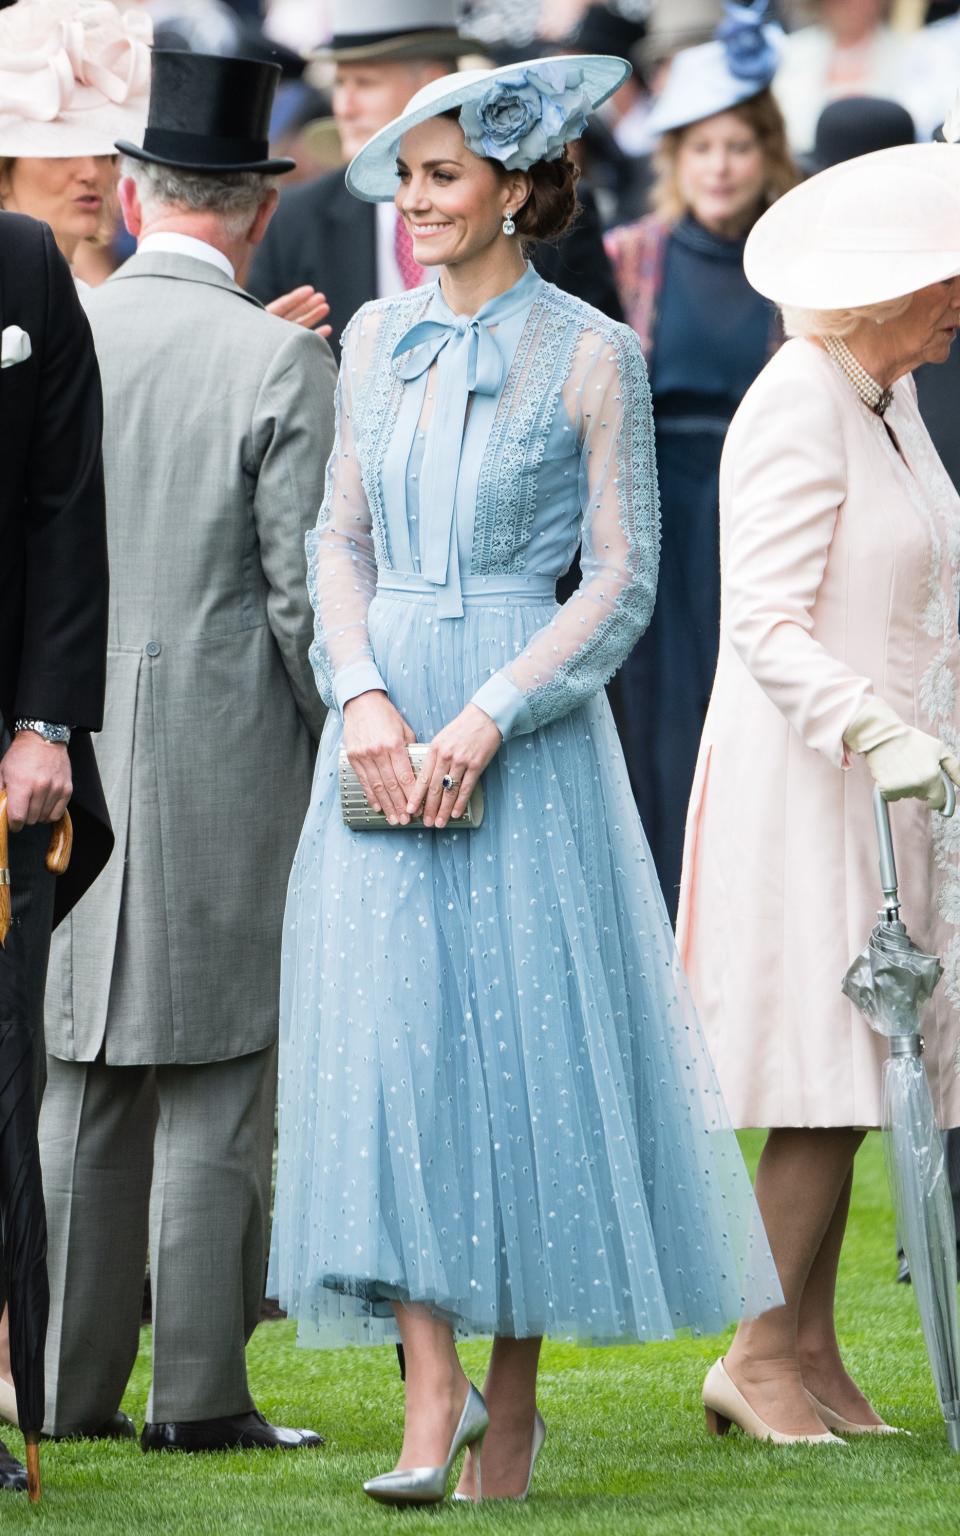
(711, 339)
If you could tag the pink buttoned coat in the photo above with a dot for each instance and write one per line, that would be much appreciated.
(839, 563)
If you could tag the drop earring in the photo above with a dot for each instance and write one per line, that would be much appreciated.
(509, 228)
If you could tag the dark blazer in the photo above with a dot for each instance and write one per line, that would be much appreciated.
(53, 549)
(323, 235)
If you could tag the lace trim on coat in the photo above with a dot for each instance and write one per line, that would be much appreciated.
(934, 497)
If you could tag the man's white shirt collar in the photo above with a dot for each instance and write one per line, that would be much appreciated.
(187, 245)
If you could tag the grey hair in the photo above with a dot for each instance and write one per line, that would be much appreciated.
(234, 196)
(841, 322)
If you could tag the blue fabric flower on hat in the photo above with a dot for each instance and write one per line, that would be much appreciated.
(527, 117)
(750, 53)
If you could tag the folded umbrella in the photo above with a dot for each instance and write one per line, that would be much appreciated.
(22, 1211)
(890, 982)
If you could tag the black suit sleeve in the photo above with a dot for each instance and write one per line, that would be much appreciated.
(578, 262)
(63, 663)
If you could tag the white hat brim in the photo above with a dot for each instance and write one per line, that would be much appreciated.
(93, 131)
(372, 173)
(866, 231)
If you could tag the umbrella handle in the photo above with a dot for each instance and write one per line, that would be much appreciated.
(888, 863)
(57, 859)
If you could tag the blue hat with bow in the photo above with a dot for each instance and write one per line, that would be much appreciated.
(518, 114)
(739, 64)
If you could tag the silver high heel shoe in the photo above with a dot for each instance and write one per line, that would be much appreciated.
(428, 1485)
(539, 1435)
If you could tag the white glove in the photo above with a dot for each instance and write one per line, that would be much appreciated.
(904, 762)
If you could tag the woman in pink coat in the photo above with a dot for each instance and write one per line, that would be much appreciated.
(839, 667)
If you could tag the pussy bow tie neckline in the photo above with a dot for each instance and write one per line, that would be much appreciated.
(469, 362)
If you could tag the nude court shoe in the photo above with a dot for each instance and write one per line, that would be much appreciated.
(428, 1485)
(847, 1426)
(725, 1404)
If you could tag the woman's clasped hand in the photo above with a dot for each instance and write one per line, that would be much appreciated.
(376, 737)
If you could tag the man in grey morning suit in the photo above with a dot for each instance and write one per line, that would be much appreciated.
(161, 1011)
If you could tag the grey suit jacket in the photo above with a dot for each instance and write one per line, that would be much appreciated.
(218, 425)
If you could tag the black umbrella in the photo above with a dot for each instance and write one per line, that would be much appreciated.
(24, 1236)
(22, 1213)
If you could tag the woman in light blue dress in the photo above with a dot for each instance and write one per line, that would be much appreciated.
(498, 1115)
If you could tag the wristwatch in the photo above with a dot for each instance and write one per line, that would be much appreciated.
(54, 735)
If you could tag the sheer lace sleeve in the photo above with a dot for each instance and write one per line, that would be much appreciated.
(607, 397)
(341, 560)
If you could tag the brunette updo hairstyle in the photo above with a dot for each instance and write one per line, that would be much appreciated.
(552, 205)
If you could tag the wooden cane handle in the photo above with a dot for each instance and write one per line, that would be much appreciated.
(57, 859)
(61, 845)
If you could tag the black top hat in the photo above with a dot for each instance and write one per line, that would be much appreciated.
(601, 30)
(857, 125)
(209, 113)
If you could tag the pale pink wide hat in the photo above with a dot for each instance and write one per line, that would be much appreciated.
(871, 229)
(74, 77)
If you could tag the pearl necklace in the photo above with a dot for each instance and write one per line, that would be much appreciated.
(873, 396)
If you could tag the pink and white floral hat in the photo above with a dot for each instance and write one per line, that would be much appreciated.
(74, 77)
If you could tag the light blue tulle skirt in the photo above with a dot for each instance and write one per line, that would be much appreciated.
(495, 1097)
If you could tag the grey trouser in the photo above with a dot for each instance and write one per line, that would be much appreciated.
(177, 1160)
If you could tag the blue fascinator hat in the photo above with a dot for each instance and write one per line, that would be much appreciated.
(518, 114)
(739, 64)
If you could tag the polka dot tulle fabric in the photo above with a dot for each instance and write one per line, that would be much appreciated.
(495, 1095)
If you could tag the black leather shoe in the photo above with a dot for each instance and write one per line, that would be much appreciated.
(238, 1432)
(13, 1474)
(117, 1428)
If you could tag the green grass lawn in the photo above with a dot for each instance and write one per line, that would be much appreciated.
(626, 1449)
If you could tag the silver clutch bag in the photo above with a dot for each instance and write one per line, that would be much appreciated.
(360, 817)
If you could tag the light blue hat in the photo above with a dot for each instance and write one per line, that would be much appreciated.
(739, 64)
(518, 114)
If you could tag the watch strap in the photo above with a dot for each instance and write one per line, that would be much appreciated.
(53, 734)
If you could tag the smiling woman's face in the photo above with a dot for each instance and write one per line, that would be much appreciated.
(452, 202)
(68, 194)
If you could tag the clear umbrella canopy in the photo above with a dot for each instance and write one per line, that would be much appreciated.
(890, 982)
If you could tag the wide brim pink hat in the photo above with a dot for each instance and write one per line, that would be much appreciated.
(874, 228)
(74, 77)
